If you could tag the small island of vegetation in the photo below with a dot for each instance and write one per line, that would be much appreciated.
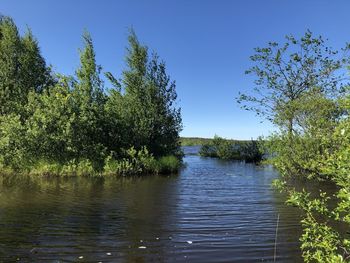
(248, 151)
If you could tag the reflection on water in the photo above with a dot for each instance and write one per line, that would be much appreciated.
(213, 211)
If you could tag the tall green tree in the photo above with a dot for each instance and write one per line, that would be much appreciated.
(135, 87)
(90, 85)
(90, 99)
(167, 122)
(11, 94)
(147, 103)
(285, 73)
(22, 68)
(35, 74)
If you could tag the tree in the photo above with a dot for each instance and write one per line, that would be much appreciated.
(167, 122)
(90, 100)
(135, 113)
(50, 126)
(35, 75)
(22, 68)
(298, 88)
(90, 85)
(147, 103)
(285, 73)
(69, 125)
(10, 51)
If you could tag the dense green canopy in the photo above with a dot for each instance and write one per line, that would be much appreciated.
(48, 118)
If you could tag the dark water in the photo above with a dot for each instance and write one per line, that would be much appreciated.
(213, 211)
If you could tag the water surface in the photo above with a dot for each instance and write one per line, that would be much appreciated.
(213, 211)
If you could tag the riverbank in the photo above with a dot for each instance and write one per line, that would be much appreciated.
(136, 164)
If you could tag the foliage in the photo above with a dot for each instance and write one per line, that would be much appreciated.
(71, 125)
(286, 72)
(249, 151)
(83, 167)
(22, 68)
(50, 127)
(252, 152)
(147, 106)
(220, 148)
(304, 94)
(12, 142)
(135, 162)
(141, 162)
(168, 164)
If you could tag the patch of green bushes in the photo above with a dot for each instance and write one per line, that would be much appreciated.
(141, 162)
(248, 151)
(54, 124)
(168, 164)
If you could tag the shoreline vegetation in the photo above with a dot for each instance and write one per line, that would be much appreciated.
(54, 124)
(301, 86)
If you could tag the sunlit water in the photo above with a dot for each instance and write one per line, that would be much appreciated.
(213, 211)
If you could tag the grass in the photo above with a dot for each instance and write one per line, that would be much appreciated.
(137, 165)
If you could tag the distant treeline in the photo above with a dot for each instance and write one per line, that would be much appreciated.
(76, 125)
(192, 141)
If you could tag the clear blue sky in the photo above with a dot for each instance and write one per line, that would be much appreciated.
(206, 44)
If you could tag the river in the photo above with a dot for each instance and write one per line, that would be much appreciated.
(213, 211)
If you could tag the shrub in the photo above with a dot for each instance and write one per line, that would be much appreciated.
(221, 148)
(251, 152)
(85, 168)
(134, 163)
(168, 164)
(46, 168)
(208, 150)
(13, 152)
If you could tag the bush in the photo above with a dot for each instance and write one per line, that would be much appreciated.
(168, 164)
(208, 150)
(135, 163)
(140, 162)
(251, 152)
(46, 168)
(13, 152)
(85, 168)
(221, 148)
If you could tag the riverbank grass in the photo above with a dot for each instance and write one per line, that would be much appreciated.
(134, 163)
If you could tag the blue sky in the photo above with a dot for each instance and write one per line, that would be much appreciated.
(205, 43)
